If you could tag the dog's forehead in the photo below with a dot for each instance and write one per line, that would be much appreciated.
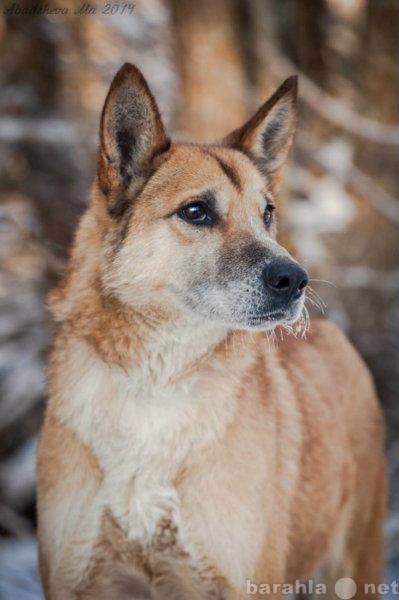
(196, 167)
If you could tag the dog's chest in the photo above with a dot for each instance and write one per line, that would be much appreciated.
(142, 438)
(141, 449)
(144, 441)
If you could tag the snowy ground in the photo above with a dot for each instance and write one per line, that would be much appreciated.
(19, 576)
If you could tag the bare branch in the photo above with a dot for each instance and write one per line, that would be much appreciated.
(327, 106)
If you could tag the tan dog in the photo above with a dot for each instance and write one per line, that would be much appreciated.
(183, 457)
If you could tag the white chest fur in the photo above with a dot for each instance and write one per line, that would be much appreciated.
(143, 437)
(140, 437)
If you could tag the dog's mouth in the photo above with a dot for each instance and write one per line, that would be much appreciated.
(267, 318)
(282, 316)
(266, 323)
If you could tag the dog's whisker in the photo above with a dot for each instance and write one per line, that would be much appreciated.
(268, 340)
(313, 292)
(323, 281)
(302, 326)
(315, 303)
(319, 301)
(315, 299)
(272, 339)
(306, 317)
(317, 306)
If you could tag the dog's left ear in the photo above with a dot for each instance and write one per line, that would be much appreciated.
(268, 135)
(132, 139)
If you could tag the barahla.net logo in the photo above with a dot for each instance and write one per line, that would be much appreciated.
(344, 588)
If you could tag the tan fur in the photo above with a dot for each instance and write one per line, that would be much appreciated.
(184, 451)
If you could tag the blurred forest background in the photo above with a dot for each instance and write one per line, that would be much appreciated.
(210, 64)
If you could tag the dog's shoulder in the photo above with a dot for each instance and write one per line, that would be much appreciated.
(334, 348)
(326, 361)
(323, 331)
(324, 339)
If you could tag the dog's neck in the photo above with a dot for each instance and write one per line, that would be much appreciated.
(166, 350)
(148, 348)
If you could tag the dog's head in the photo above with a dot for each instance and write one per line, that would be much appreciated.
(190, 227)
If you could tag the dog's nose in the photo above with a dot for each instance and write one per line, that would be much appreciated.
(287, 279)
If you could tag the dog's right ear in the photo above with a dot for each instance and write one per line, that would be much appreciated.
(267, 137)
(132, 137)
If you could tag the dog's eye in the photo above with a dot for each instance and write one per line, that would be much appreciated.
(196, 213)
(268, 214)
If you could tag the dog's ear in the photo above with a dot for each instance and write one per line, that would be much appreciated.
(268, 135)
(132, 139)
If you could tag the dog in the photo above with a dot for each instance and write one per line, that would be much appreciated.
(184, 456)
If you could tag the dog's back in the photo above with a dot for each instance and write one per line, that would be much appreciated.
(185, 455)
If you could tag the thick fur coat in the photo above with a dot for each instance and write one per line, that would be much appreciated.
(187, 449)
